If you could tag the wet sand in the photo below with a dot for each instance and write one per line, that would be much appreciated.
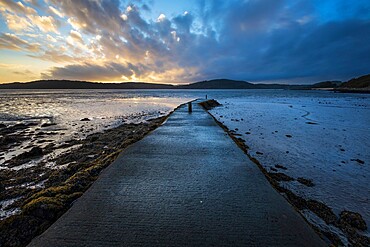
(278, 142)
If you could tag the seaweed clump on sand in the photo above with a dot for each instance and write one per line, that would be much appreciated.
(305, 181)
(42, 207)
(279, 176)
(209, 104)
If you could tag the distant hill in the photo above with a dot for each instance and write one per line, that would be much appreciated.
(360, 82)
(232, 84)
(212, 84)
(327, 84)
(65, 84)
(218, 84)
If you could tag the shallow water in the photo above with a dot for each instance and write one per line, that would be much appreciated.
(57, 114)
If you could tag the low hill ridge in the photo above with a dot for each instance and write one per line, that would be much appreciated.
(356, 83)
(360, 82)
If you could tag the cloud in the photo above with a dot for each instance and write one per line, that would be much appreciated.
(45, 23)
(17, 7)
(35, 3)
(17, 23)
(94, 72)
(112, 71)
(57, 56)
(161, 17)
(96, 15)
(12, 42)
(26, 72)
(75, 23)
(76, 36)
(21, 22)
(6, 65)
(56, 12)
(267, 40)
(256, 40)
(51, 38)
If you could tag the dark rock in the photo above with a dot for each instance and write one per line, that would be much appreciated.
(307, 182)
(323, 211)
(280, 176)
(241, 140)
(48, 124)
(353, 219)
(19, 231)
(209, 104)
(259, 153)
(358, 161)
(297, 201)
(19, 126)
(34, 152)
(281, 167)
(289, 136)
(85, 119)
(6, 140)
(2, 187)
(334, 239)
(45, 208)
(31, 124)
(93, 138)
(2, 126)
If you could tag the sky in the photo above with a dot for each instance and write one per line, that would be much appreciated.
(183, 41)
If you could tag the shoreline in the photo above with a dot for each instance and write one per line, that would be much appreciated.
(38, 207)
(348, 222)
(352, 90)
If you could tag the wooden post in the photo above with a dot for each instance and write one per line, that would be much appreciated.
(190, 107)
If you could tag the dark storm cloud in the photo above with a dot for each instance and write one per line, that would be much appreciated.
(96, 72)
(275, 40)
(256, 40)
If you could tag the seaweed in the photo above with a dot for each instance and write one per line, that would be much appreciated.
(40, 208)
